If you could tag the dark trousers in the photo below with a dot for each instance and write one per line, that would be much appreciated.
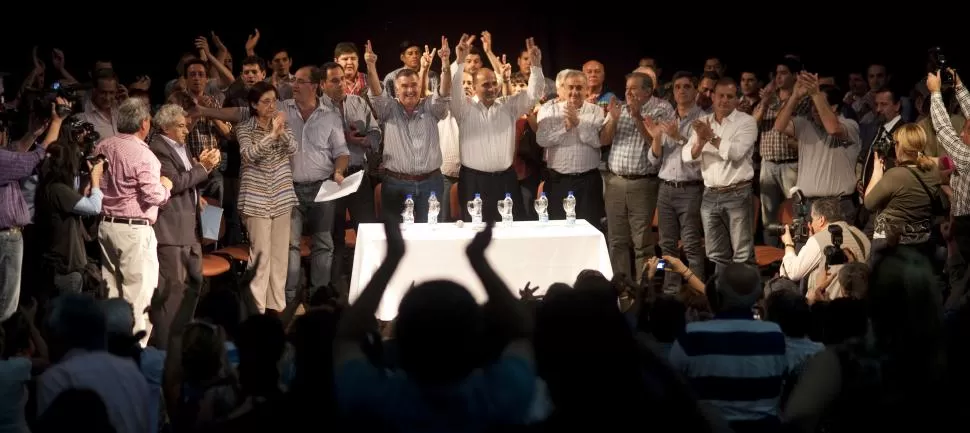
(587, 187)
(492, 187)
(176, 265)
(679, 218)
(961, 234)
(361, 207)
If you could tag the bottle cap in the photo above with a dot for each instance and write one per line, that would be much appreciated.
(432, 194)
(569, 193)
(508, 195)
(542, 194)
(477, 195)
(407, 197)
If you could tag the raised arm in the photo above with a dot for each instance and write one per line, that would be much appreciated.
(370, 59)
(358, 319)
(947, 136)
(459, 102)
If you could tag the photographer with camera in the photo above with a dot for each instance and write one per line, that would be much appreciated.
(830, 237)
(957, 147)
(905, 198)
(14, 215)
(62, 206)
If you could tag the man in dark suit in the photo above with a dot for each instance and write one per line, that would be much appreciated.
(874, 136)
(179, 251)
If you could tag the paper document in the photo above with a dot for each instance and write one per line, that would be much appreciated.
(211, 222)
(330, 190)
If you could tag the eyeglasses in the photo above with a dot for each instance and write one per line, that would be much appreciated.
(302, 82)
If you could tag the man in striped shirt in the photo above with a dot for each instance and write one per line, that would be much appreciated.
(957, 147)
(734, 362)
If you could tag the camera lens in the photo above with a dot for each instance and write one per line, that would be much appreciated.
(775, 229)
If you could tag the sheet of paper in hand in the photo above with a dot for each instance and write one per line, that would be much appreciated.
(330, 190)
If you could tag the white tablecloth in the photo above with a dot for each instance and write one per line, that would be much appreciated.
(526, 252)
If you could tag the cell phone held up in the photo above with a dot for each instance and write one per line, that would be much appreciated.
(938, 62)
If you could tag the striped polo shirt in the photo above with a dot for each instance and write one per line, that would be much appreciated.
(736, 364)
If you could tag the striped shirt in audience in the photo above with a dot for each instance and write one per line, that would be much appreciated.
(736, 364)
(266, 180)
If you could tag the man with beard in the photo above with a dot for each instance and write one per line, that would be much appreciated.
(412, 153)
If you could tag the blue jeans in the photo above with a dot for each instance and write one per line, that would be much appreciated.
(317, 218)
(11, 260)
(394, 191)
(728, 219)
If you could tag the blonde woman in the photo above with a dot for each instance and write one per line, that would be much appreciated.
(907, 196)
(266, 195)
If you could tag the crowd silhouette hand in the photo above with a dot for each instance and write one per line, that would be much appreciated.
(476, 249)
(528, 293)
(395, 242)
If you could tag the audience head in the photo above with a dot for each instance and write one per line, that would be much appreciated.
(595, 74)
(410, 55)
(75, 409)
(473, 61)
(705, 89)
(261, 342)
(134, 118)
(888, 104)
(253, 70)
(685, 89)
(737, 288)
(333, 81)
(262, 100)
(904, 304)
(76, 322)
(486, 85)
(407, 88)
(572, 87)
(668, 318)
(519, 82)
(347, 56)
(911, 142)
(438, 329)
(197, 76)
(281, 63)
(854, 279)
(104, 95)
(786, 72)
(203, 352)
(305, 84)
(825, 211)
(170, 120)
(640, 85)
(725, 97)
(789, 309)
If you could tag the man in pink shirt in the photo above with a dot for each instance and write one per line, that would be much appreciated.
(133, 189)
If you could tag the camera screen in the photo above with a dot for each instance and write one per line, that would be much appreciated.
(662, 264)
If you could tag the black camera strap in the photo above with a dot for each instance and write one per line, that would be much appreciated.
(935, 202)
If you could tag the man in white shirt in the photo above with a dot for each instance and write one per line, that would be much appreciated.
(724, 141)
(569, 130)
(487, 133)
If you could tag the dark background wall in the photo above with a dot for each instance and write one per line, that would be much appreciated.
(830, 39)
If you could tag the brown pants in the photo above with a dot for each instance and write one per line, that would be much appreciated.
(269, 242)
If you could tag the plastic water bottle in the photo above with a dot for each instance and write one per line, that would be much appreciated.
(542, 208)
(408, 210)
(434, 207)
(569, 205)
(507, 217)
(477, 216)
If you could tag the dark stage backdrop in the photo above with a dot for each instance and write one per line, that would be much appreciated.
(150, 40)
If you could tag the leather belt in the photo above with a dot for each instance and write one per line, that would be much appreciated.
(731, 187)
(132, 221)
(683, 184)
(635, 176)
(782, 161)
(412, 177)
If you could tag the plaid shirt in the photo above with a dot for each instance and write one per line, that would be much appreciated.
(958, 150)
(203, 135)
(628, 156)
(776, 146)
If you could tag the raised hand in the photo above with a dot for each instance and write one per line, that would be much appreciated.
(615, 109)
(57, 59)
(427, 58)
(464, 46)
(476, 249)
(444, 52)
(634, 104)
(203, 46)
(534, 53)
(217, 42)
(672, 128)
(506, 69)
(369, 57)
(528, 293)
(572, 116)
(487, 42)
(38, 63)
(395, 242)
(655, 129)
(933, 82)
(251, 42)
(278, 123)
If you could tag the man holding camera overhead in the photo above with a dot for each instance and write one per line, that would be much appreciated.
(824, 253)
